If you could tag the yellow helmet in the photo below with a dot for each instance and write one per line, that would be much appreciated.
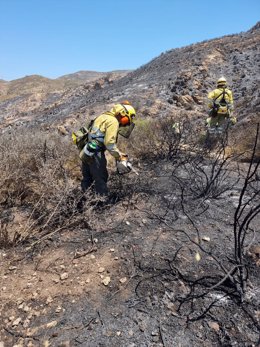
(126, 111)
(222, 82)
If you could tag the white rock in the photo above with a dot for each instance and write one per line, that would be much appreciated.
(58, 309)
(52, 324)
(197, 256)
(64, 276)
(12, 268)
(26, 323)
(49, 300)
(106, 281)
(123, 280)
(26, 308)
(17, 321)
(154, 333)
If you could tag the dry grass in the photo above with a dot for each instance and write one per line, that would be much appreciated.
(40, 175)
(38, 186)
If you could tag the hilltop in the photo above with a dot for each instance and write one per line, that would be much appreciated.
(24, 98)
(177, 80)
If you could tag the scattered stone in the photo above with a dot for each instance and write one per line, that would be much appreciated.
(206, 238)
(123, 280)
(49, 300)
(17, 321)
(101, 269)
(214, 326)
(197, 256)
(127, 222)
(58, 309)
(34, 295)
(26, 308)
(62, 130)
(154, 333)
(64, 276)
(26, 323)
(52, 324)
(155, 338)
(254, 251)
(92, 256)
(106, 281)
(118, 333)
(142, 326)
(12, 268)
(116, 258)
(112, 250)
(95, 240)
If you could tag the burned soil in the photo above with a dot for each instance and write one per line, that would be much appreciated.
(154, 268)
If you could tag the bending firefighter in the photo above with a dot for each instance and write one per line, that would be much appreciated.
(102, 135)
(220, 103)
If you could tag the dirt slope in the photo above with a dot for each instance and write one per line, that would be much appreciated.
(120, 280)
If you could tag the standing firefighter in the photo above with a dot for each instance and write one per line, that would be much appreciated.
(220, 103)
(102, 135)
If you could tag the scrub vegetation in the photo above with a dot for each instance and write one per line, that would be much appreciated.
(185, 232)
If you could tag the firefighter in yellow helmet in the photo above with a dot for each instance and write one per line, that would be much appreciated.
(102, 136)
(220, 104)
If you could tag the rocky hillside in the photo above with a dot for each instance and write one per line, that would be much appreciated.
(176, 81)
(31, 94)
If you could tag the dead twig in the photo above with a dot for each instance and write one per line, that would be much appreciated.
(79, 254)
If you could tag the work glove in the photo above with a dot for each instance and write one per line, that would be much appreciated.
(123, 165)
(123, 157)
(233, 120)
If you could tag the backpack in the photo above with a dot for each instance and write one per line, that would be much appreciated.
(80, 137)
(221, 107)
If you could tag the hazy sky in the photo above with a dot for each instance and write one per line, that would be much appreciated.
(57, 37)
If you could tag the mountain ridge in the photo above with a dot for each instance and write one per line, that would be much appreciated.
(176, 81)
